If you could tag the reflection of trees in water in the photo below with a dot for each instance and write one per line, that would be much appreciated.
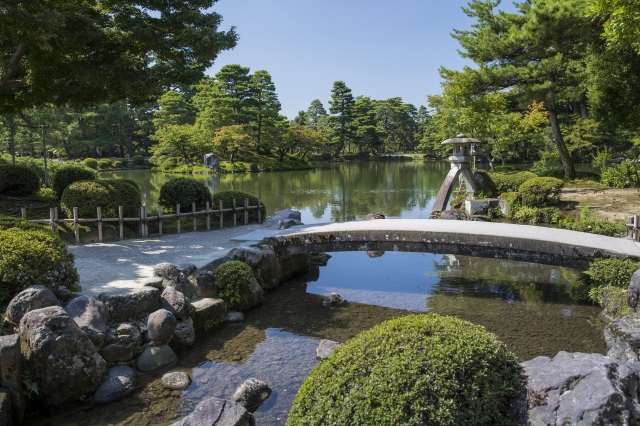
(347, 190)
(503, 279)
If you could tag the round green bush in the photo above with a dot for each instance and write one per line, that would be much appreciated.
(413, 370)
(138, 160)
(184, 191)
(540, 191)
(69, 173)
(227, 202)
(104, 164)
(17, 179)
(34, 257)
(230, 278)
(510, 182)
(624, 175)
(117, 164)
(92, 163)
(108, 194)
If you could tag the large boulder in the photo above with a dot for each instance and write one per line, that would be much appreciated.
(252, 393)
(292, 265)
(218, 412)
(209, 313)
(155, 357)
(59, 356)
(634, 292)
(263, 262)
(283, 219)
(91, 316)
(161, 326)
(11, 374)
(184, 336)
(29, 299)
(623, 338)
(120, 382)
(205, 284)
(120, 342)
(585, 389)
(176, 277)
(124, 307)
(177, 303)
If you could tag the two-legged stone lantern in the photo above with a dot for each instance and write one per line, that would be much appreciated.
(464, 149)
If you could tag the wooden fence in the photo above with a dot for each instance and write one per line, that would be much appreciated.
(143, 220)
(632, 227)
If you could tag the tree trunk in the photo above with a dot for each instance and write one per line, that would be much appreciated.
(565, 156)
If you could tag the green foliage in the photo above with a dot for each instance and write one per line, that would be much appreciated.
(108, 194)
(540, 191)
(510, 182)
(253, 167)
(184, 191)
(117, 164)
(488, 186)
(414, 370)
(227, 198)
(603, 273)
(16, 179)
(614, 300)
(171, 162)
(587, 222)
(7, 222)
(92, 163)
(104, 164)
(138, 160)
(34, 257)
(601, 158)
(533, 215)
(624, 175)
(512, 200)
(69, 173)
(229, 278)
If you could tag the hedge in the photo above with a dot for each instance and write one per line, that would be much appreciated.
(69, 173)
(184, 191)
(108, 194)
(227, 202)
(540, 191)
(413, 370)
(510, 182)
(17, 179)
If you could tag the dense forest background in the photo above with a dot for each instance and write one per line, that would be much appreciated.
(556, 82)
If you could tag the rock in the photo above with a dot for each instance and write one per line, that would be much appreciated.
(127, 332)
(374, 216)
(184, 336)
(485, 184)
(333, 301)
(11, 374)
(585, 389)
(168, 271)
(633, 297)
(155, 357)
(326, 348)
(120, 382)
(91, 316)
(29, 299)
(205, 284)
(155, 282)
(116, 352)
(283, 219)
(124, 307)
(453, 215)
(623, 338)
(292, 265)
(187, 268)
(161, 325)
(251, 393)
(319, 259)
(218, 412)
(60, 356)
(177, 303)
(251, 295)
(505, 208)
(209, 313)
(262, 261)
(176, 380)
(173, 276)
(375, 253)
(234, 316)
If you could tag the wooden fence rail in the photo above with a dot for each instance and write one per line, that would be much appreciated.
(143, 219)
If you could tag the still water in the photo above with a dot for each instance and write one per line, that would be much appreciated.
(527, 305)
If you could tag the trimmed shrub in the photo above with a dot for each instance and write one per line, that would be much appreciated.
(104, 164)
(69, 173)
(414, 370)
(7, 222)
(624, 175)
(230, 277)
(117, 164)
(108, 194)
(540, 191)
(16, 179)
(131, 182)
(92, 163)
(34, 256)
(227, 202)
(510, 182)
(138, 160)
(184, 191)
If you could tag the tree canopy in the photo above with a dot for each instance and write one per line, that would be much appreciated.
(85, 52)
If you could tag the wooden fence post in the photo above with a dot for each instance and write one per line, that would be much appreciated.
(234, 213)
(259, 210)
(206, 207)
(76, 229)
(194, 217)
(143, 221)
(52, 220)
(221, 216)
(99, 218)
(121, 221)
(636, 234)
(23, 213)
(160, 220)
(178, 218)
(246, 211)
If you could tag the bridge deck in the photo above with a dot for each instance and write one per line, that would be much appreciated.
(485, 239)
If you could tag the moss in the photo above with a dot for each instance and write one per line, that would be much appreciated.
(414, 370)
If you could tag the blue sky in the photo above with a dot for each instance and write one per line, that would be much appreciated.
(380, 49)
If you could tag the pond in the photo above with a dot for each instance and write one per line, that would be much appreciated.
(529, 306)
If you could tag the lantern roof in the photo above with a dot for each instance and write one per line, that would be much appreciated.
(460, 139)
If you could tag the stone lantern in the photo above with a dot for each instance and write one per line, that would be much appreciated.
(461, 158)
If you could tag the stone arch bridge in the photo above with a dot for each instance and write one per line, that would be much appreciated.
(483, 239)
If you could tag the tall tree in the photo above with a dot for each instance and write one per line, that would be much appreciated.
(341, 120)
(538, 52)
(368, 136)
(316, 113)
(92, 51)
(621, 22)
(265, 106)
